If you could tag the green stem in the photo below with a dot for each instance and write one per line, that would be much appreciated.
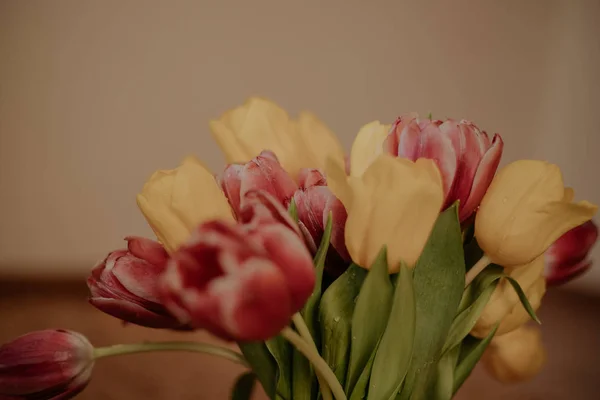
(305, 333)
(317, 361)
(479, 266)
(122, 349)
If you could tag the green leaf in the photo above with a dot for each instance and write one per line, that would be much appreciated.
(263, 364)
(396, 347)
(523, 298)
(335, 316)
(360, 388)
(370, 317)
(281, 351)
(467, 318)
(470, 354)
(487, 277)
(304, 376)
(443, 385)
(293, 210)
(243, 387)
(439, 281)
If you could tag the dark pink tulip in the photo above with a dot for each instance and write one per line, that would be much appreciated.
(568, 258)
(262, 173)
(45, 365)
(241, 281)
(314, 201)
(463, 153)
(125, 284)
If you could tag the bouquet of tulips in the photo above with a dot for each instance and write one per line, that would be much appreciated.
(385, 275)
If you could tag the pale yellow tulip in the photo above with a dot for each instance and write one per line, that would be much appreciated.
(176, 201)
(505, 307)
(525, 209)
(515, 357)
(259, 124)
(367, 146)
(394, 203)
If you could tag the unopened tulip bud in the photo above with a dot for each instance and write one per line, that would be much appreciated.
(49, 364)
(125, 284)
(262, 173)
(515, 357)
(568, 258)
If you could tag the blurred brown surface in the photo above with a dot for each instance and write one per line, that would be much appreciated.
(570, 324)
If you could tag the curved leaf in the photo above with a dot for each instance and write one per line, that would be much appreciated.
(263, 364)
(360, 388)
(470, 354)
(523, 299)
(243, 387)
(370, 317)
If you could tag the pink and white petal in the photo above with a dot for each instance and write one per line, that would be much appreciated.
(147, 249)
(259, 207)
(338, 229)
(573, 246)
(134, 313)
(409, 141)
(288, 252)
(438, 147)
(138, 277)
(253, 304)
(561, 274)
(308, 177)
(231, 184)
(266, 174)
(483, 177)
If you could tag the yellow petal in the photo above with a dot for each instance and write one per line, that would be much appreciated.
(525, 209)
(367, 146)
(395, 203)
(174, 202)
(319, 141)
(515, 357)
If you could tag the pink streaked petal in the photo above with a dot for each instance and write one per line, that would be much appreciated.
(311, 204)
(269, 154)
(146, 249)
(289, 253)
(409, 142)
(134, 313)
(231, 184)
(308, 177)
(266, 174)
(561, 274)
(573, 246)
(339, 216)
(259, 207)
(483, 177)
(392, 141)
(438, 147)
(308, 238)
(254, 304)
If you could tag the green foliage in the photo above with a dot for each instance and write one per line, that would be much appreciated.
(243, 387)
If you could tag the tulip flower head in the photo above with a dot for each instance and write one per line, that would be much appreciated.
(49, 364)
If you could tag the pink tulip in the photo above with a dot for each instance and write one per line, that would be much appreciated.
(466, 158)
(241, 281)
(262, 173)
(314, 201)
(568, 258)
(125, 284)
(45, 365)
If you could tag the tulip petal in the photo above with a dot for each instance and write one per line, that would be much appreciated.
(483, 177)
(231, 183)
(320, 142)
(409, 142)
(367, 145)
(128, 311)
(146, 249)
(438, 147)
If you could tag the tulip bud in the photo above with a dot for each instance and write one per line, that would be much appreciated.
(504, 305)
(515, 357)
(567, 258)
(49, 364)
(314, 202)
(125, 284)
(525, 210)
(174, 202)
(463, 153)
(394, 199)
(262, 173)
(240, 282)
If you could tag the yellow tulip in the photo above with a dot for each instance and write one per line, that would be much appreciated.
(515, 357)
(394, 203)
(176, 201)
(367, 146)
(504, 304)
(525, 209)
(244, 132)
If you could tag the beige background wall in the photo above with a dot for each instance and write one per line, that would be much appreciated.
(96, 95)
